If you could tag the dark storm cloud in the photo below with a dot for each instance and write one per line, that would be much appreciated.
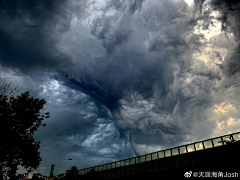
(135, 5)
(143, 82)
(114, 29)
(109, 82)
(29, 31)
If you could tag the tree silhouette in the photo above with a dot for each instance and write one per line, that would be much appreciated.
(92, 174)
(20, 117)
(72, 173)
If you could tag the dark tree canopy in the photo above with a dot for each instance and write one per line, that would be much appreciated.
(70, 174)
(20, 117)
(73, 174)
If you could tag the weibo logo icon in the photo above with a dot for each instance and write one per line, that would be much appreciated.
(188, 174)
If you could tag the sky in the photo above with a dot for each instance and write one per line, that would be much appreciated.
(123, 78)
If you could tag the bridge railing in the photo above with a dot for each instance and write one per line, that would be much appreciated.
(188, 148)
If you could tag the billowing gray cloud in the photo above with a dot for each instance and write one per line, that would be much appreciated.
(114, 26)
(231, 63)
(220, 41)
(228, 16)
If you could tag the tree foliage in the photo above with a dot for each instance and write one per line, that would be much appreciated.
(70, 174)
(20, 117)
(92, 174)
(73, 174)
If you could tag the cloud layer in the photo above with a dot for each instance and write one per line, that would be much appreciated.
(124, 78)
